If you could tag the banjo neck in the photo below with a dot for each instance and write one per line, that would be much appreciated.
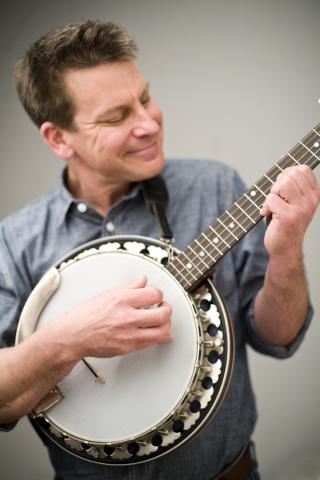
(197, 260)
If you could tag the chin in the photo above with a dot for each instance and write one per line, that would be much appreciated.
(149, 169)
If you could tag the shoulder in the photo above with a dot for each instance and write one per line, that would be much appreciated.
(204, 176)
(195, 166)
(29, 220)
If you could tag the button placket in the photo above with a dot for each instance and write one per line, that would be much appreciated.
(110, 227)
(82, 207)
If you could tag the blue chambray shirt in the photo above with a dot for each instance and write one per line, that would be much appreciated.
(38, 235)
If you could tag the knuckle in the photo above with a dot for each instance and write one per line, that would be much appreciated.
(155, 295)
(158, 294)
(165, 312)
(304, 169)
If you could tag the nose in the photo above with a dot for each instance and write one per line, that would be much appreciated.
(145, 124)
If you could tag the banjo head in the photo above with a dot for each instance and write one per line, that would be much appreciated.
(152, 400)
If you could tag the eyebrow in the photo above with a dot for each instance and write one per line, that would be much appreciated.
(119, 108)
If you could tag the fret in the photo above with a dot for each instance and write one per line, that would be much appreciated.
(181, 272)
(192, 265)
(214, 259)
(278, 166)
(315, 131)
(178, 274)
(213, 244)
(300, 152)
(250, 200)
(262, 193)
(286, 161)
(245, 213)
(265, 175)
(235, 220)
(312, 153)
(227, 229)
(189, 272)
(196, 257)
(295, 161)
(218, 236)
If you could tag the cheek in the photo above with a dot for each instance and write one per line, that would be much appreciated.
(114, 141)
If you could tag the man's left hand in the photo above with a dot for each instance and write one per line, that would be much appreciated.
(292, 202)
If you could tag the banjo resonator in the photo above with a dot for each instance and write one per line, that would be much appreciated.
(151, 400)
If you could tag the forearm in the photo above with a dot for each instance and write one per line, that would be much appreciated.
(114, 322)
(281, 305)
(28, 372)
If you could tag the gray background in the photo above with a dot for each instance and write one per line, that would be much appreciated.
(237, 81)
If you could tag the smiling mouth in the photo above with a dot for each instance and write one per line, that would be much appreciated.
(145, 149)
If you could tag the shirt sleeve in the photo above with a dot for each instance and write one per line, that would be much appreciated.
(10, 293)
(251, 260)
(11, 300)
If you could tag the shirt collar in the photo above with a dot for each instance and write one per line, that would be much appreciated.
(68, 200)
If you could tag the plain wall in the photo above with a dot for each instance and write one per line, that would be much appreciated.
(238, 81)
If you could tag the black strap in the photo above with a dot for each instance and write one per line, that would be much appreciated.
(157, 198)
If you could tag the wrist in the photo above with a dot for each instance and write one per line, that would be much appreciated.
(54, 346)
(288, 263)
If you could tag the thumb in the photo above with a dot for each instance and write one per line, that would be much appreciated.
(141, 282)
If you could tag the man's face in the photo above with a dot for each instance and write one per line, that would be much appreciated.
(119, 127)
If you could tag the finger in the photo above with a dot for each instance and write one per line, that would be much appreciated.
(275, 205)
(154, 336)
(308, 177)
(286, 188)
(144, 297)
(155, 317)
(304, 178)
(139, 283)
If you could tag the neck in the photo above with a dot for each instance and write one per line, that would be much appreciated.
(95, 191)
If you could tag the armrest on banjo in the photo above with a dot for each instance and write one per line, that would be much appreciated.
(49, 400)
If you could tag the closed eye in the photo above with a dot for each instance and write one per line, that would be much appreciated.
(120, 117)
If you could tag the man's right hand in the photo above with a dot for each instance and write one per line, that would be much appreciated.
(115, 322)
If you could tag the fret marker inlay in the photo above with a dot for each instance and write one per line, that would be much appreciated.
(253, 193)
(316, 144)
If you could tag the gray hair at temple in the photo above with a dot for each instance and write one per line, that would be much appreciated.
(39, 74)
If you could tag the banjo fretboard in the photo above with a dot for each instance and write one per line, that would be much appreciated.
(193, 264)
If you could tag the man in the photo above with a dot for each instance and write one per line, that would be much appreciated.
(81, 87)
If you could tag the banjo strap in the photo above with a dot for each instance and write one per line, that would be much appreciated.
(157, 198)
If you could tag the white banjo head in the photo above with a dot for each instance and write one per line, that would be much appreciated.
(140, 388)
(154, 399)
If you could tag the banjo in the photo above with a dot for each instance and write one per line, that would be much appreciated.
(134, 408)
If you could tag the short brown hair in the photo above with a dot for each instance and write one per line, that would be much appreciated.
(39, 73)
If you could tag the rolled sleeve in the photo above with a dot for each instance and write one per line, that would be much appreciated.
(251, 259)
(8, 427)
(267, 348)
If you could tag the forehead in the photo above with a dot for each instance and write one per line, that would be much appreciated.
(103, 87)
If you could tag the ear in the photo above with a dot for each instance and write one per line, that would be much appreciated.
(56, 138)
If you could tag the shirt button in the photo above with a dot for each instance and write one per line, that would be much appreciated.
(110, 226)
(82, 207)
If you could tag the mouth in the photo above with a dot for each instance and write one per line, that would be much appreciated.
(150, 148)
